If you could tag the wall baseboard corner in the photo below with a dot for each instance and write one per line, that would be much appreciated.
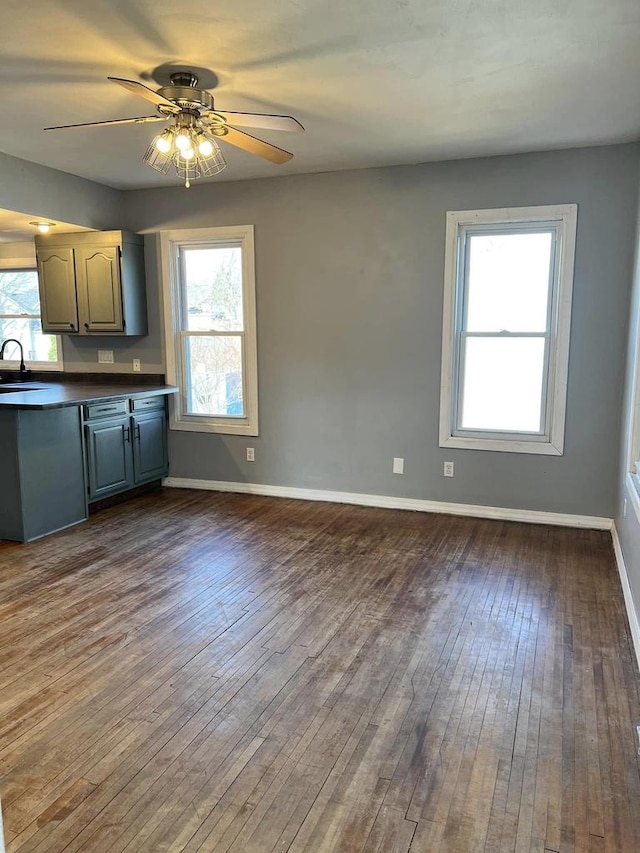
(632, 616)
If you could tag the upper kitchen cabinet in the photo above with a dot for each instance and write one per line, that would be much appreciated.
(92, 283)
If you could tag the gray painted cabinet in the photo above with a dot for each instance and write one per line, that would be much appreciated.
(109, 460)
(149, 446)
(125, 450)
(41, 471)
(92, 283)
(58, 298)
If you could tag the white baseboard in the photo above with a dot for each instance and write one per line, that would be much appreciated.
(388, 502)
(632, 616)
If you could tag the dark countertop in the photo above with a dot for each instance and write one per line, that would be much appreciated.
(55, 395)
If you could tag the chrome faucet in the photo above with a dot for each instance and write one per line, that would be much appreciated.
(23, 370)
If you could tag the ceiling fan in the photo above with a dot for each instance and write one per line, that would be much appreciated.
(190, 142)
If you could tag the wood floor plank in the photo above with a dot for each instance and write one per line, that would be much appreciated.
(206, 672)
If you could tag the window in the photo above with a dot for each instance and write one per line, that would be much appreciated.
(508, 281)
(20, 319)
(210, 328)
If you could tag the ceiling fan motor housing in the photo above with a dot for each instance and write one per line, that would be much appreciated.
(184, 93)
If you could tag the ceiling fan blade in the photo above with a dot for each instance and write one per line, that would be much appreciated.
(255, 146)
(138, 120)
(145, 92)
(262, 120)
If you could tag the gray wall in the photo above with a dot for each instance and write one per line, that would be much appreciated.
(627, 522)
(49, 194)
(350, 278)
(350, 281)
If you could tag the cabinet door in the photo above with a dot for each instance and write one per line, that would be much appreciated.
(57, 282)
(149, 446)
(109, 457)
(99, 289)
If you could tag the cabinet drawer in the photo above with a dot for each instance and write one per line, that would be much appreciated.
(106, 410)
(145, 404)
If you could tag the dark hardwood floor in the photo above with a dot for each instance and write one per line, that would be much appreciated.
(193, 671)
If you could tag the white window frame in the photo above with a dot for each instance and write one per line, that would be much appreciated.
(26, 265)
(170, 244)
(563, 219)
(633, 436)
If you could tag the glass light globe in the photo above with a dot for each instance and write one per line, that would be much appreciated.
(163, 143)
(187, 153)
(205, 148)
(183, 140)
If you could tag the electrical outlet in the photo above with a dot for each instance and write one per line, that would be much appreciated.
(398, 465)
(105, 356)
(136, 365)
(448, 469)
(251, 454)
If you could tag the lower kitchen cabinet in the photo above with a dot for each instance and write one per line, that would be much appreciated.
(125, 449)
(41, 471)
(56, 459)
(109, 458)
(150, 460)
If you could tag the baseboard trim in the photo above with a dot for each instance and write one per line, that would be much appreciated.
(389, 502)
(632, 616)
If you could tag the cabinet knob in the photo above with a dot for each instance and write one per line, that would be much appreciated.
(71, 326)
(86, 325)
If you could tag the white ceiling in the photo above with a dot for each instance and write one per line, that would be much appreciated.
(374, 82)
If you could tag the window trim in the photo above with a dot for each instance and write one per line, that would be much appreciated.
(564, 218)
(29, 265)
(169, 243)
(633, 435)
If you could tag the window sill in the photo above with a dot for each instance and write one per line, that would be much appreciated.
(544, 448)
(34, 366)
(240, 428)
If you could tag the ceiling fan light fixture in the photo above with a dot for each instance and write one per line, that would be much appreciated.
(211, 160)
(164, 141)
(187, 169)
(161, 161)
(205, 146)
(183, 139)
(191, 150)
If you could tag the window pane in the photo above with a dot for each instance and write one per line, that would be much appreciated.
(213, 289)
(508, 288)
(214, 382)
(502, 384)
(19, 292)
(37, 347)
